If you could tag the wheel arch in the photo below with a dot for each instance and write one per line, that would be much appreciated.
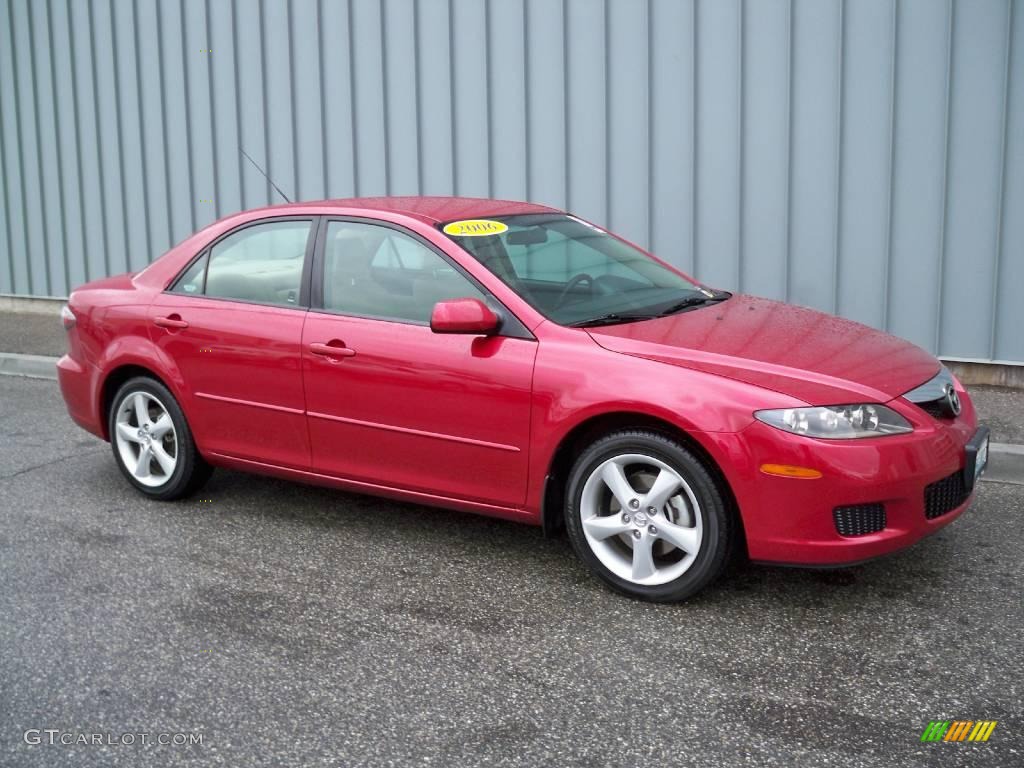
(133, 355)
(112, 382)
(595, 427)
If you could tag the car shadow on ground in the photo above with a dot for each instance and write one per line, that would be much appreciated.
(458, 538)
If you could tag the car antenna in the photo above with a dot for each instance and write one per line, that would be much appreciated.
(264, 173)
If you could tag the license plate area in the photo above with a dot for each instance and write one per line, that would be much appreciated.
(976, 457)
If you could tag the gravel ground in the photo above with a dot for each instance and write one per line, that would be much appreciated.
(1002, 409)
(295, 626)
(31, 334)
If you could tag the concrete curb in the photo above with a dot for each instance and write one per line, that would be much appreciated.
(32, 305)
(33, 366)
(996, 373)
(1005, 465)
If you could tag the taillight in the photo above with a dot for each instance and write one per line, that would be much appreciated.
(67, 317)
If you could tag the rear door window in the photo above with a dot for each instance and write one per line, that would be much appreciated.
(260, 263)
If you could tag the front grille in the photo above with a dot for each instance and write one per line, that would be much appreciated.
(945, 495)
(936, 409)
(859, 519)
(931, 398)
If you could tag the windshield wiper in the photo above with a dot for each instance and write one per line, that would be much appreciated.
(693, 301)
(612, 318)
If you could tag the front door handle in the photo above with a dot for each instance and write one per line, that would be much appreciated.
(172, 321)
(334, 348)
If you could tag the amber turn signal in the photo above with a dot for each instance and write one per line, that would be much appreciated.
(788, 470)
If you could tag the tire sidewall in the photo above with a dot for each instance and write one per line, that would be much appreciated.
(714, 544)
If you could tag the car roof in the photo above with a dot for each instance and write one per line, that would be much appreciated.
(429, 209)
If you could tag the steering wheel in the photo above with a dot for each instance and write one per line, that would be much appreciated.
(582, 277)
(610, 281)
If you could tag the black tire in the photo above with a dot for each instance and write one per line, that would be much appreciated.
(717, 522)
(190, 471)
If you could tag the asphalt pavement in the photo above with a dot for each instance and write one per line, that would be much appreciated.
(295, 626)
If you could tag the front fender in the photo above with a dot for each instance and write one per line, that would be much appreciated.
(575, 383)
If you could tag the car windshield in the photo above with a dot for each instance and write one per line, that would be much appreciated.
(573, 272)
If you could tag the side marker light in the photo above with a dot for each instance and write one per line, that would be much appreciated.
(788, 470)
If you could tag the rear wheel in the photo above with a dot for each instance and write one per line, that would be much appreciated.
(152, 442)
(646, 516)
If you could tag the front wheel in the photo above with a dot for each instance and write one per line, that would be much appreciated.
(152, 442)
(646, 516)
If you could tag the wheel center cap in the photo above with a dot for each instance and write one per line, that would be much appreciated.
(640, 519)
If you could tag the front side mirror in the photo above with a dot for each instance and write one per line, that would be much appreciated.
(463, 316)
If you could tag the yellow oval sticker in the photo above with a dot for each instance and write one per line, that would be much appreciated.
(474, 228)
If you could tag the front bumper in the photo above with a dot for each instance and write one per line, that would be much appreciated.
(788, 520)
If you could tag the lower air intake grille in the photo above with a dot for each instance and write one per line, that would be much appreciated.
(945, 495)
(860, 519)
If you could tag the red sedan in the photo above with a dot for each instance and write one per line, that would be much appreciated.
(515, 360)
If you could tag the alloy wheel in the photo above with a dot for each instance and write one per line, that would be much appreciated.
(641, 519)
(146, 439)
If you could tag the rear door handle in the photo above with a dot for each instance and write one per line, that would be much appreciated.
(334, 348)
(173, 321)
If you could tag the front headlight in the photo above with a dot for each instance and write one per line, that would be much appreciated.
(837, 422)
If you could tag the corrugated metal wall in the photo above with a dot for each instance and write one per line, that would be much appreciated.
(865, 157)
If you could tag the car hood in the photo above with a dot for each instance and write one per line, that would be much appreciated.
(813, 356)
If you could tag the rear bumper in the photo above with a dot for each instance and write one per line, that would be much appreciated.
(77, 384)
(789, 520)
